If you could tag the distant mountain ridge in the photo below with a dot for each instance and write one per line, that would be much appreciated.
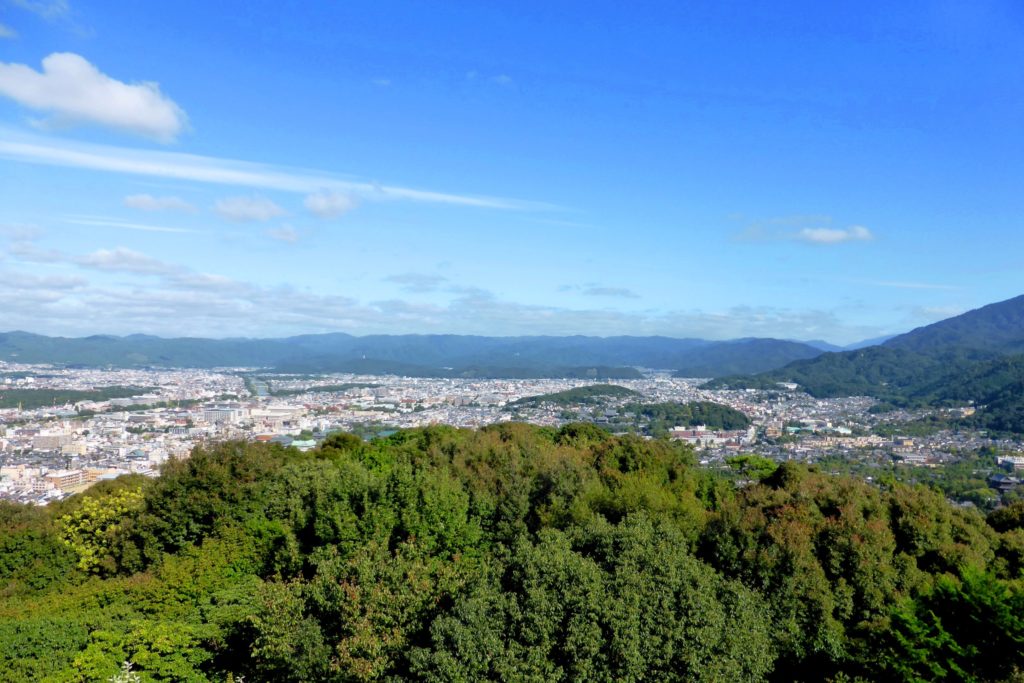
(421, 355)
(996, 328)
(744, 356)
(976, 357)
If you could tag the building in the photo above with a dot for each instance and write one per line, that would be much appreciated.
(64, 479)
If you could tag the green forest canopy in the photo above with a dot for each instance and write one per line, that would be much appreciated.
(711, 415)
(587, 395)
(508, 553)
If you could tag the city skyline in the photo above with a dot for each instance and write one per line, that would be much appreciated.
(240, 171)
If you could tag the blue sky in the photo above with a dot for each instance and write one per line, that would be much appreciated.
(802, 170)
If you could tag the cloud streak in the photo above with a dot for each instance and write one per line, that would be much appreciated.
(216, 171)
(140, 227)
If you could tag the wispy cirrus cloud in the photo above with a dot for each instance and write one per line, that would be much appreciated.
(73, 91)
(20, 146)
(329, 204)
(101, 222)
(810, 229)
(596, 290)
(47, 9)
(124, 260)
(147, 202)
(854, 233)
(7, 32)
(246, 209)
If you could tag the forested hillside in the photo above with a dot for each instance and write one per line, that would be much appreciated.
(511, 553)
(974, 358)
(996, 328)
(743, 356)
(590, 394)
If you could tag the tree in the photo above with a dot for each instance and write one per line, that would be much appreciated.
(91, 529)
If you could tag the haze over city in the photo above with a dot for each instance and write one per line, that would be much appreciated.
(706, 170)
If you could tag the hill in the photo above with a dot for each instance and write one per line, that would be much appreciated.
(969, 359)
(508, 553)
(744, 356)
(997, 328)
(662, 417)
(588, 395)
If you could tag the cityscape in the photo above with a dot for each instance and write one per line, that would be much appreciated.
(53, 451)
(526, 342)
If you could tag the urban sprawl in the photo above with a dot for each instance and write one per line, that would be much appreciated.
(49, 452)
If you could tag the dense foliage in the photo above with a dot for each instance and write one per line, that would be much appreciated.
(996, 328)
(664, 416)
(587, 395)
(743, 356)
(509, 553)
(974, 358)
(903, 378)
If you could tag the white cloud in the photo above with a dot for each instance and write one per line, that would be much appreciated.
(41, 150)
(854, 233)
(75, 91)
(328, 204)
(165, 298)
(7, 32)
(147, 202)
(285, 233)
(243, 209)
(812, 229)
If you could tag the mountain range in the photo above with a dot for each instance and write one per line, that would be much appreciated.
(974, 358)
(418, 355)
